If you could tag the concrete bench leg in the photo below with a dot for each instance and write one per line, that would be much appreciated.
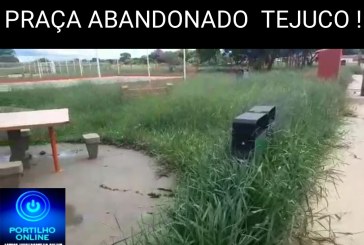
(25, 134)
(93, 150)
(19, 144)
(92, 144)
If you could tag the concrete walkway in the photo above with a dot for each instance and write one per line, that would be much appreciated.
(106, 197)
(340, 217)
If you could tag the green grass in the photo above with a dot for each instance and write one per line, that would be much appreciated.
(218, 201)
(355, 69)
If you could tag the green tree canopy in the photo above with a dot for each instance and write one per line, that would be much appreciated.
(206, 55)
(156, 56)
(125, 58)
(258, 58)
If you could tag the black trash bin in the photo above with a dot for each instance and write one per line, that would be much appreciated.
(246, 129)
(271, 111)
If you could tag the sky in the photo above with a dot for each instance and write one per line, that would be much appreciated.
(25, 55)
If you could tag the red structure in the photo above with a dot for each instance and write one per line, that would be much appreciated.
(329, 62)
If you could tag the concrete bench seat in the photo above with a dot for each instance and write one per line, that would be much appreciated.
(133, 92)
(10, 174)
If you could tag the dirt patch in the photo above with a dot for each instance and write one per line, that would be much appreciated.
(72, 218)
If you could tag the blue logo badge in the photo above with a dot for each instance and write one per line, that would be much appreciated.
(32, 206)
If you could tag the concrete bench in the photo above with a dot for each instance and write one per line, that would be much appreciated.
(10, 174)
(15, 122)
(146, 91)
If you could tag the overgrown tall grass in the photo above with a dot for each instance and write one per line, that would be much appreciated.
(218, 200)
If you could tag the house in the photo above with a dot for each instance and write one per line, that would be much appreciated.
(350, 59)
(345, 59)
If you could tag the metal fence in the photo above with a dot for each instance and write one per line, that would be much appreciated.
(78, 68)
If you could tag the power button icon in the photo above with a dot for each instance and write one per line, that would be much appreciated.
(32, 206)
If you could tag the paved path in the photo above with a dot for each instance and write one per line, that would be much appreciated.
(106, 197)
(342, 213)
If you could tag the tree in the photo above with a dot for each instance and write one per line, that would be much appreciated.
(171, 58)
(156, 56)
(191, 56)
(206, 55)
(8, 55)
(139, 61)
(300, 57)
(7, 52)
(110, 61)
(258, 58)
(143, 60)
(125, 58)
(309, 56)
(47, 60)
(350, 51)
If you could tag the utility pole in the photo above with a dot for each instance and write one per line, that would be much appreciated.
(117, 63)
(362, 84)
(184, 64)
(150, 81)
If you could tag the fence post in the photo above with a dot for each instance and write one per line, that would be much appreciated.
(80, 63)
(40, 73)
(117, 63)
(98, 63)
(150, 81)
(67, 68)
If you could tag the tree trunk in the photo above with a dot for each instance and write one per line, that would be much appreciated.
(269, 60)
(258, 64)
(311, 59)
(270, 64)
(290, 61)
